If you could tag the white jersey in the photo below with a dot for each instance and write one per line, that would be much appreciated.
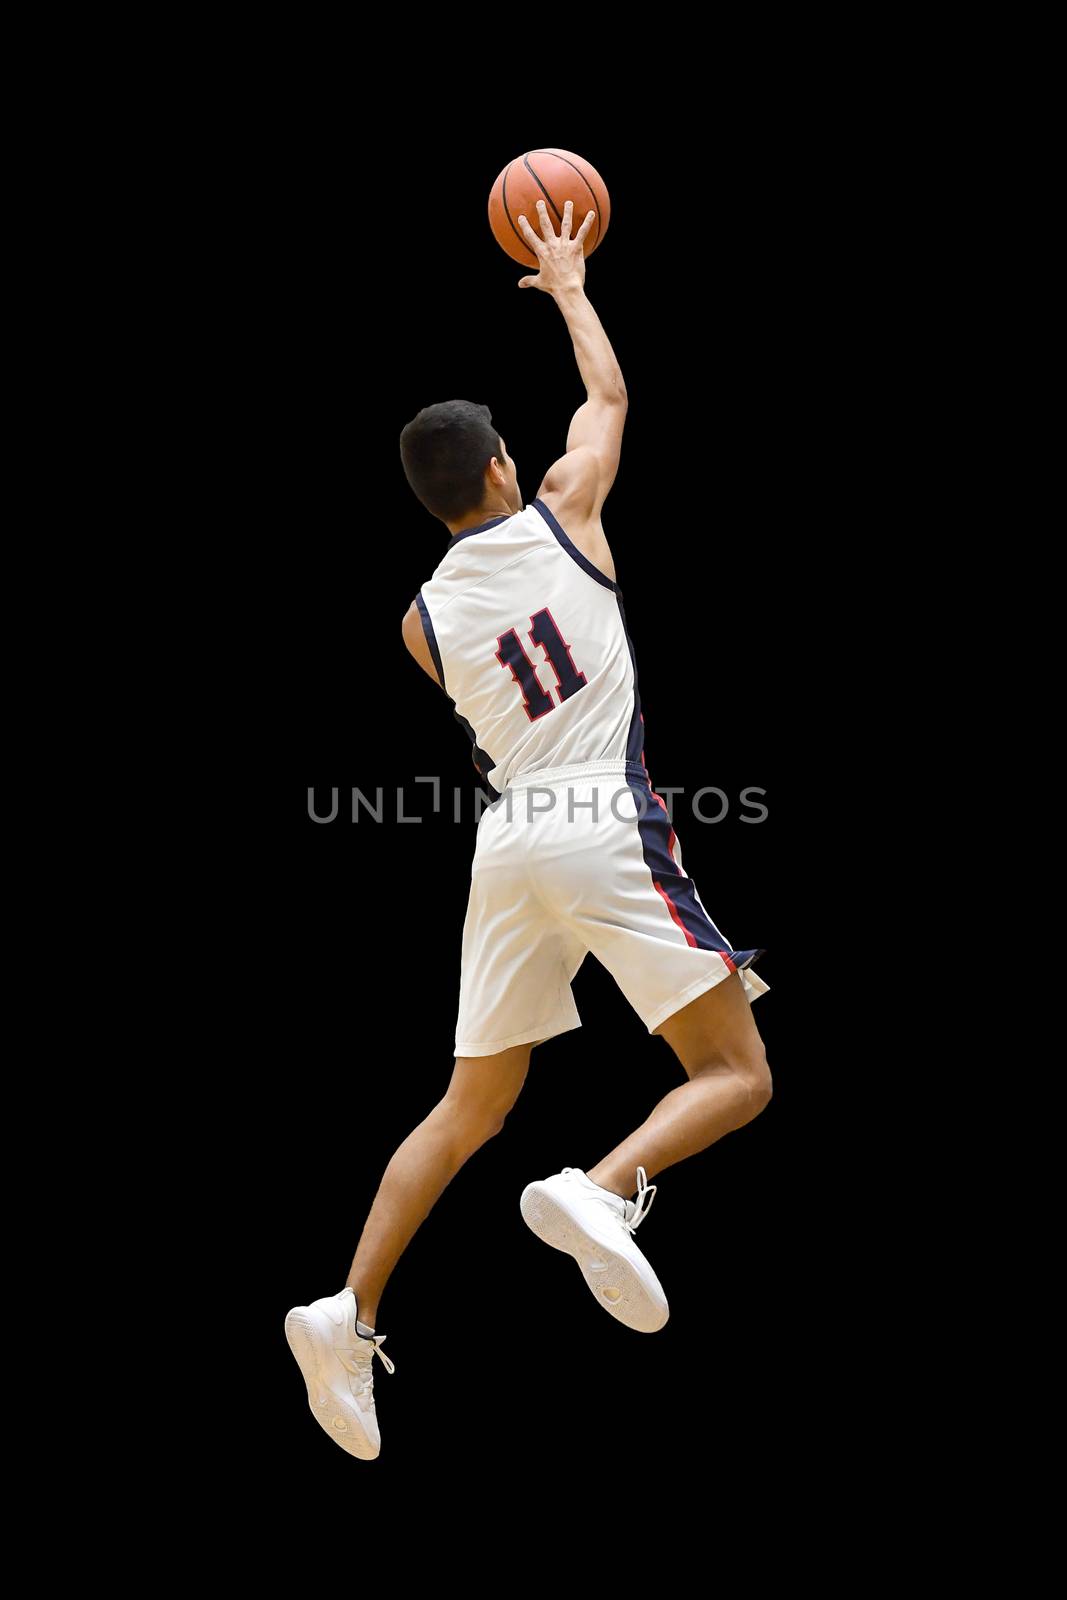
(530, 643)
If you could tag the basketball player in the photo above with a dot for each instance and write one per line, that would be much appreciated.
(522, 626)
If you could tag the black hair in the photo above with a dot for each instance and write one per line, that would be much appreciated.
(445, 450)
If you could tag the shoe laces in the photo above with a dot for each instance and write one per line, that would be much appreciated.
(362, 1354)
(645, 1192)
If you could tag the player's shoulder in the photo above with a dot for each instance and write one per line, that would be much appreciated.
(580, 534)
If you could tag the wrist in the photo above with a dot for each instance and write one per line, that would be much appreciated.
(569, 293)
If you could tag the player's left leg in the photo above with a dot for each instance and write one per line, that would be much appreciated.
(482, 1091)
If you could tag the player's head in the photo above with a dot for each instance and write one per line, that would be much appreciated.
(457, 464)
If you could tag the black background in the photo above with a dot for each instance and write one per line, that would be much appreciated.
(727, 289)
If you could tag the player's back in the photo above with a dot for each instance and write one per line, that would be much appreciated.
(529, 640)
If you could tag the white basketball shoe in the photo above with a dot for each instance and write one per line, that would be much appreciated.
(334, 1350)
(595, 1226)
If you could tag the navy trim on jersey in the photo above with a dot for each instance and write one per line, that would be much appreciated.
(573, 550)
(481, 759)
(465, 533)
(635, 738)
(431, 637)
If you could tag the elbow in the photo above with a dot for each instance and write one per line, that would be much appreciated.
(607, 391)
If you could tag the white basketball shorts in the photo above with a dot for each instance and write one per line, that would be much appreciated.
(575, 859)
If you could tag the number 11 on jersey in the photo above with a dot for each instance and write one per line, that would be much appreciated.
(536, 700)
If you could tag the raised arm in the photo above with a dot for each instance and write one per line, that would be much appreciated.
(578, 483)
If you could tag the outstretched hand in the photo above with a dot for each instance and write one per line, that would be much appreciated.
(561, 258)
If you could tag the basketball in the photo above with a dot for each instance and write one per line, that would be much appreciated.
(554, 176)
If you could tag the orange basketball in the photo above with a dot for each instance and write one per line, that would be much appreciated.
(553, 176)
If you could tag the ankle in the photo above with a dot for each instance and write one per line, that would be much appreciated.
(366, 1309)
(606, 1183)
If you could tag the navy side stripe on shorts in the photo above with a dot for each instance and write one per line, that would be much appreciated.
(675, 886)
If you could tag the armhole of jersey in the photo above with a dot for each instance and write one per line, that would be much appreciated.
(431, 639)
(573, 550)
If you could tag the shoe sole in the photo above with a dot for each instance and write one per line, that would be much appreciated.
(331, 1414)
(612, 1277)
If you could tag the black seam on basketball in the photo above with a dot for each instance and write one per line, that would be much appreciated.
(544, 191)
(507, 213)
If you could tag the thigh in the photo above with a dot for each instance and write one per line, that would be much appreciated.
(718, 1029)
(517, 960)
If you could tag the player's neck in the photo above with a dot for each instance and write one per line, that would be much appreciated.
(477, 518)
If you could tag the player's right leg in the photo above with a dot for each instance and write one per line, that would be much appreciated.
(728, 1084)
(612, 872)
(616, 880)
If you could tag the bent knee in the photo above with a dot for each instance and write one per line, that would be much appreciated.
(763, 1089)
(750, 1066)
(477, 1118)
(755, 1074)
(484, 1089)
(758, 1078)
(492, 1119)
